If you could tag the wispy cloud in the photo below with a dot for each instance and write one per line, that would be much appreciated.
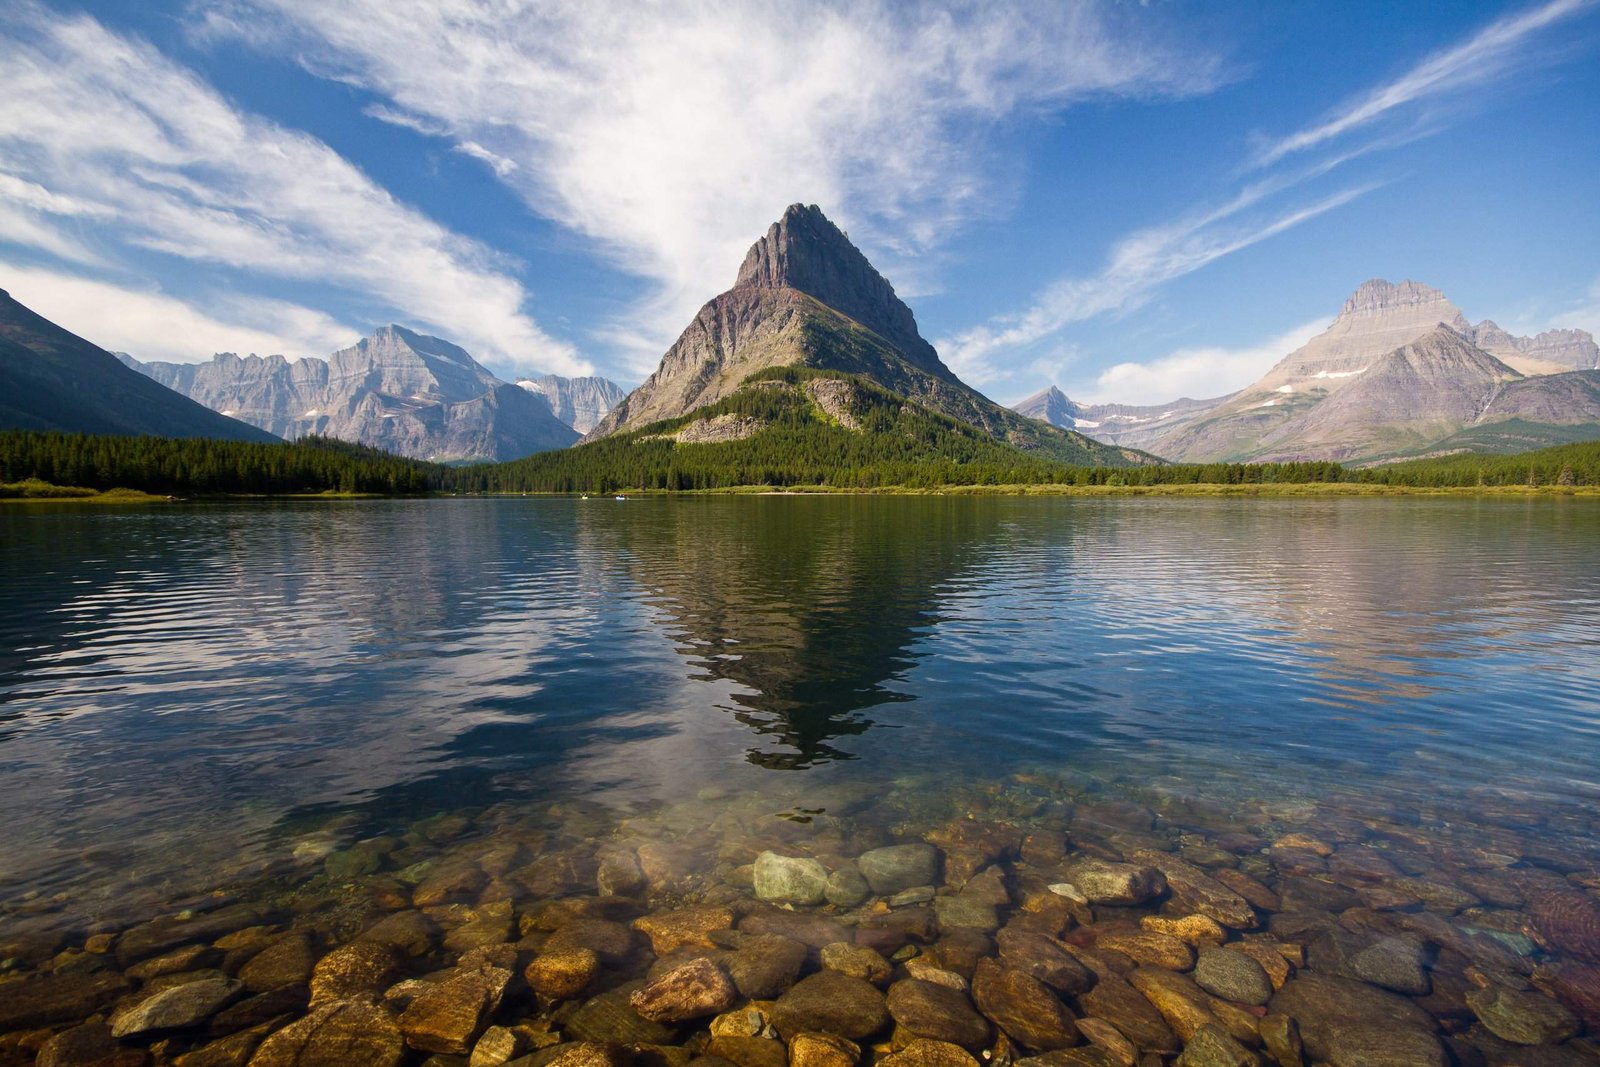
(1197, 373)
(1487, 55)
(673, 134)
(153, 325)
(1138, 265)
(94, 123)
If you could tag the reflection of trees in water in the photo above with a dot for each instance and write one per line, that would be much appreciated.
(811, 605)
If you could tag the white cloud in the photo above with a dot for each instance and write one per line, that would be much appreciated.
(673, 134)
(1138, 264)
(1196, 373)
(151, 325)
(1488, 54)
(109, 127)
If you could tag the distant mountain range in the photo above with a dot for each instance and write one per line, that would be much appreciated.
(807, 298)
(1401, 372)
(398, 390)
(51, 379)
(579, 402)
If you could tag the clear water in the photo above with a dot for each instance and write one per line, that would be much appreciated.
(188, 690)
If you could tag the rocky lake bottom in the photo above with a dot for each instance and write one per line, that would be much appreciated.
(810, 782)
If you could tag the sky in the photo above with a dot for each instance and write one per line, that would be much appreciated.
(1134, 202)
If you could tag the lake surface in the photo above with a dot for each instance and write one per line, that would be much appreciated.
(217, 698)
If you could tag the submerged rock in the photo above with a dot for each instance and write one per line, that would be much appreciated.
(1102, 882)
(832, 1003)
(1232, 975)
(790, 879)
(346, 1033)
(931, 1010)
(1023, 1007)
(1522, 1018)
(697, 988)
(175, 1008)
(897, 867)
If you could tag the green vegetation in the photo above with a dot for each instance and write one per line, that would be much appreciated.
(895, 447)
(165, 465)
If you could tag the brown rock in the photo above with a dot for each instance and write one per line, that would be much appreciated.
(666, 865)
(1104, 882)
(57, 999)
(562, 975)
(1196, 930)
(176, 1007)
(857, 961)
(1186, 1007)
(749, 1051)
(235, 1050)
(1341, 1020)
(359, 968)
(610, 1018)
(671, 931)
(808, 928)
(832, 1003)
(1522, 1018)
(1569, 922)
(580, 1054)
(346, 1033)
(1195, 891)
(1155, 950)
(450, 1014)
(1577, 985)
(695, 989)
(287, 962)
(1116, 1000)
(1106, 1037)
(611, 941)
(969, 846)
(823, 1050)
(1232, 975)
(1212, 1047)
(925, 1053)
(448, 883)
(1271, 958)
(764, 965)
(1280, 1036)
(1044, 959)
(617, 872)
(928, 1009)
(89, 1045)
(411, 932)
(1023, 1007)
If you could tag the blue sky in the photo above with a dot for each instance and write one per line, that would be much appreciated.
(1134, 202)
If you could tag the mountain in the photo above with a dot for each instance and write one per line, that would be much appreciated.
(51, 379)
(1128, 425)
(1401, 371)
(579, 402)
(806, 297)
(400, 391)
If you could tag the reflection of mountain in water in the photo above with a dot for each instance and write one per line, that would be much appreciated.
(810, 605)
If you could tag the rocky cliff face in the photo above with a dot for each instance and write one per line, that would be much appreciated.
(401, 391)
(1401, 366)
(579, 402)
(805, 296)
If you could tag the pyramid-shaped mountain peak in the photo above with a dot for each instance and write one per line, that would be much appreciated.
(805, 251)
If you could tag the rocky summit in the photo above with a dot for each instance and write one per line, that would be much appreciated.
(398, 390)
(805, 297)
(579, 402)
(1400, 372)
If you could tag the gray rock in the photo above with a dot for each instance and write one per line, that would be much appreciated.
(960, 912)
(1393, 963)
(790, 879)
(897, 867)
(1231, 975)
(1102, 882)
(176, 1008)
(846, 888)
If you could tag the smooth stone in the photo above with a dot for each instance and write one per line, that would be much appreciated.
(1116, 999)
(960, 912)
(175, 1008)
(498, 1045)
(695, 989)
(1186, 1007)
(1393, 963)
(1344, 1022)
(1280, 1036)
(359, 968)
(1023, 1007)
(832, 1003)
(1106, 1037)
(346, 1033)
(1044, 959)
(289, 961)
(609, 1017)
(57, 999)
(1195, 891)
(919, 894)
(1522, 1018)
(1232, 975)
(260, 1009)
(1155, 950)
(808, 928)
(1104, 882)
(617, 872)
(928, 1009)
(749, 1021)
(671, 931)
(764, 965)
(450, 1014)
(1212, 1047)
(823, 1050)
(748, 1051)
(790, 879)
(89, 1045)
(411, 932)
(611, 941)
(896, 867)
(857, 961)
(562, 975)
(846, 888)
(1196, 930)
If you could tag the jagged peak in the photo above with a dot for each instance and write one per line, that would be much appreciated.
(1377, 295)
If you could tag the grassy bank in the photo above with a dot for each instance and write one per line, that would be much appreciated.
(34, 491)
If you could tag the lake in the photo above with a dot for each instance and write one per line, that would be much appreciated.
(1366, 721)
